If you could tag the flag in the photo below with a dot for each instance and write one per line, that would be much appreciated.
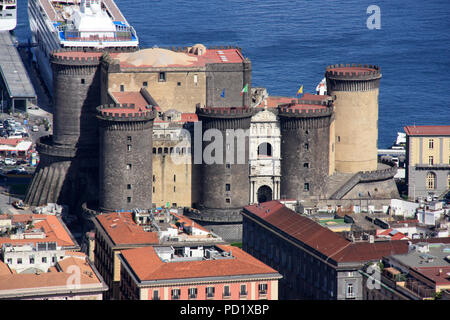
(300, 90)
(167, 204)
(245, 89)
(223, 94)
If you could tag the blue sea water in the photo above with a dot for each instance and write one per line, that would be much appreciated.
(291, 42)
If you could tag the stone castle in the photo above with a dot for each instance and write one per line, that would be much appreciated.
(120, 116)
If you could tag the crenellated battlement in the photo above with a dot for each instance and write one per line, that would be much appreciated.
(76, 58)
(225, 112)
(353, 72)
(125, 112)
(306, 109)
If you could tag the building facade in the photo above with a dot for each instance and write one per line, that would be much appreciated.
(315, 262)
(218, 272)
(427, 160)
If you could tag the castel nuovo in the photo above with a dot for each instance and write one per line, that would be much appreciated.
(122, 118)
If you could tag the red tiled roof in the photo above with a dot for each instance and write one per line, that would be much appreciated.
(78, 54)
(10, 142)
(357, 70)
(210, 56)
(320, 238)
(315, 97)
(134, 97)
(427, 130)
(148, 266)
(306, 230)
(273, 101)
(53, 228)
(189, 117)
(439, 275)
(122, 229)
(365, 251)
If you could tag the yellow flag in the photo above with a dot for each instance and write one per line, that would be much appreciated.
(300, 90)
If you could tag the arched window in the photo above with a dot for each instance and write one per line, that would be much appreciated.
(431, 181)
(159, 150)
(265, 149)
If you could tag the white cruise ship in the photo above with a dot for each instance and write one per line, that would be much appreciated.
(59, 24)
(8, 15)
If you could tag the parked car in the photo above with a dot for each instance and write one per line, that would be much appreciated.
(35, 129)
(9, 161)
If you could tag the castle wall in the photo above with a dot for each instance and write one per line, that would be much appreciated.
(125, 165)
(305, 156)
(176, 183)
(168, 94)
(229, 76)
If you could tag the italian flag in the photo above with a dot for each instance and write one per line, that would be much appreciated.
(245, 89)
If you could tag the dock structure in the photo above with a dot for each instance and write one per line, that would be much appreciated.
(15, 85)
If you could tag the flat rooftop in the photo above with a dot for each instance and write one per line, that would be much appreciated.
(13, 71)
(435, 257)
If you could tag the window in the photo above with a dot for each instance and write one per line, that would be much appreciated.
(306, 165)
(129, 138)
(122, 88)
(227, 187)
(227, 200)
(243, 291)
(31, 260)
(19, 260)
(162, 77)
(226, 291)
(83, 81)
(129, 166)
(262, 288)
(350, 291)
(195, 79)
(210, 292)
(431, 181)
(128, 186)
(228, 166)
(153, 189)
(430, 160)
(306, 187)
(155, 295)
(128, 199)
(129, 147)
(179, 84)
(339, 138)
(53, 259)
(430, 144)
(265, 149)
(154, 178)
(174, 178)
(192, 292)
(44, 259)
(175, 294)
(9, 261)
(144, 84)
(306, 146)
(174, 189)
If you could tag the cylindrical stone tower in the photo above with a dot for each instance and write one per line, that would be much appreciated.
(225, 183)
(355, 91)
(68, 168)
(305, 148)
(125, 167)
